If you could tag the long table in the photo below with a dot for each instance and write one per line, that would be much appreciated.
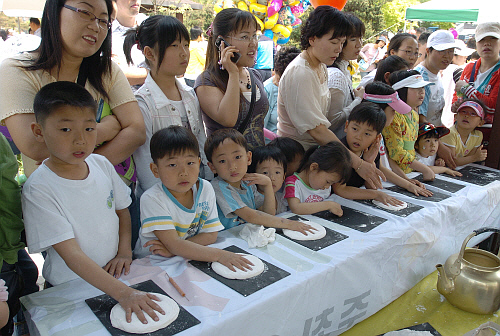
(326, 293)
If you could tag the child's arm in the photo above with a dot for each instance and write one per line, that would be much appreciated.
(123, 257)
(269, 205)
(357, 193)
(130, 299)
(296, 206)
(478, 154)
(404, 183)
(427, 172)
(444, 170)
(261, 218)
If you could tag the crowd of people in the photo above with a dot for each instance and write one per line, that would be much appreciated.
(137, 141)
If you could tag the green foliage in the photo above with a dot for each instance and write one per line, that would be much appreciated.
(441, 25)
(200, 18)
(370, 12)
(7, 22)
(394, 12)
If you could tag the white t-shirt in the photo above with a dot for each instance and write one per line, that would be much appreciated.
(428, 161)
(433, 104)
(118, 38)
(295, 187)
(160, 210)
(57, 209)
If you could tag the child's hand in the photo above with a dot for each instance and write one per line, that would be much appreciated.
(453, 172)
(387, 199)
(371, 153)
(118, 264)
(300, 227)
(359, 91)
(417, 190)
(417, 183)
(232, 260)
(156, 247)
(439, 162)
(259, 179)
(459, 84)
(335, 208)
(428, 174)
(139, 302)
(480, 154)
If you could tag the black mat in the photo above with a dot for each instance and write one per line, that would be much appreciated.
(422, 327)
(101, 306)
(436, 196)
(330, 238)
(411, 208)
(354, 219)
(245, 287)
(441, 184)
(477, 175)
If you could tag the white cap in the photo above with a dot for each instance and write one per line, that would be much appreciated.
(442, 40)
(487, 29)
(464, 50)
(415, 81)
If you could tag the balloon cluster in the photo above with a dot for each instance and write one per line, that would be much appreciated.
(276, 18)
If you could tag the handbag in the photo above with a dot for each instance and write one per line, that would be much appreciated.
(363, 65)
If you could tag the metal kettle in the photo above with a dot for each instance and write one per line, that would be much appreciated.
(470, 280)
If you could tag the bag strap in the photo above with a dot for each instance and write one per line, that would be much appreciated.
(245, 122)
(493, 158)
(473, 74)
(82, 76)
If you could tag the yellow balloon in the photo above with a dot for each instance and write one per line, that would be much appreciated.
(243, 6)
(281, 31)
(258, 10)
(269, 22)
(289, 28)
(219, 6)
(259, 21)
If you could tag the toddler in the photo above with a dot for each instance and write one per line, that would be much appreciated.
(293, 151)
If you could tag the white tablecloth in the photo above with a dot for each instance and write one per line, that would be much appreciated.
(327, 292)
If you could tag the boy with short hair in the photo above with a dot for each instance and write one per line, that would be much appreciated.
(293, 150)
(238, 200)
(179, 213)
(75, 204)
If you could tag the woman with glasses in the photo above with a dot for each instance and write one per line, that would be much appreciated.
(225, 88)
(75, 47)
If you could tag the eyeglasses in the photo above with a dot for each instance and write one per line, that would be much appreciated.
(410, 53)
(90, 17)
(468, 113)
(246, 39)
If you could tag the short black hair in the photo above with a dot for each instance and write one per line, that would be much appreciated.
(390, 64)
(321, 21)
(217, 138)
(369, 113)
(62, 93)
(263, 153)
(333, 157)
(283, 57)
(195, 32)
(35, 21)
(422, 39)
(398, 40)
(398, 76)
(171, 141)
(379, 88)
(289, 147)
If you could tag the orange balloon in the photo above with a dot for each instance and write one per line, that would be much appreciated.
(339, 4)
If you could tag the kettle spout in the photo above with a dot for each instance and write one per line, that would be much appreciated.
(445, 284)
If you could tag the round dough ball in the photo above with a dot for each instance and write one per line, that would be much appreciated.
(389, 206)
(169, 306)
(257, 268)
(318, 234)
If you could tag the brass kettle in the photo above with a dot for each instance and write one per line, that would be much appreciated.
(470, 280)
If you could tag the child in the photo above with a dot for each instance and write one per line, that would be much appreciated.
(75, 204)
(237, 197)
(270, 161)
(464, 139)
(363, 128)
(180, 211)
(322, 166)
(164, 100)
(293, 150)
(401, 134)
(427, 145)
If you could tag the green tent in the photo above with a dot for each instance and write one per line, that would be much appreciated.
(446, 11)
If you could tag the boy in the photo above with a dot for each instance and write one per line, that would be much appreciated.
(75, 204)
(363, 128)
(464, 139)
(293, 150)
(180, 211)
(238, 200)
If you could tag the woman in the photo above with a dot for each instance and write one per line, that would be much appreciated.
(343, 97)
(403, 45)
(371, 54)
(224, 89)
(75, 45)
(303, 94)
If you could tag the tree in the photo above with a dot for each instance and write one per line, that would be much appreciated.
(394, 13)
(370, 12)
(200, 18)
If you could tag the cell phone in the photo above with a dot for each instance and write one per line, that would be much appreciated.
(236, 55)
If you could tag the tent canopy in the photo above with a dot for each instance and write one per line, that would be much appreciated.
(22, 8)
(455, 11)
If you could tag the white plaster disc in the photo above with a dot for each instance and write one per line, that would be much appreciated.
(257, 268)
(389, 206)
(315, 235)
(168, 305)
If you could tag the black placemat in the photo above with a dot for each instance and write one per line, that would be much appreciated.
(436, 195)
(441, 184)
(477, 175)
(411, 208)
(101, 306)
(330, 238)
(354, 219)
(421, 327)
(245, 287)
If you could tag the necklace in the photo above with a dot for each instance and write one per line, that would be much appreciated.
(248, 83)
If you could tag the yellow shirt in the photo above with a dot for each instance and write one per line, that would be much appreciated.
(196, 66)
(454, 140)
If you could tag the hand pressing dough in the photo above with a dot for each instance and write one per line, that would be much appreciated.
(168, 305)
(389, 206)
(315, 235)
(257, 268)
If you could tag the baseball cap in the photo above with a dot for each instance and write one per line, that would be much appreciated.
(442, 40)
(464, 50)
(487, 29)
(392, 100)
(428, 127)
(475, 106)
(415, 81)
(381, 38)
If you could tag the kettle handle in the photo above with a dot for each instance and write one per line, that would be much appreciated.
(473, 234)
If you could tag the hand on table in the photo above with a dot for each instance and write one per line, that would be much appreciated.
(417, 190)
(232, 260)
(119, 264)
(156, 247)
(387, 199)
(139, 302)
(300, 227)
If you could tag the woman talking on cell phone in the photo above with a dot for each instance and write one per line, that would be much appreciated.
(230, 92)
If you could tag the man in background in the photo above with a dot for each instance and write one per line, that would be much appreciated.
(265, 56)
(198, 51)
(35, 27)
